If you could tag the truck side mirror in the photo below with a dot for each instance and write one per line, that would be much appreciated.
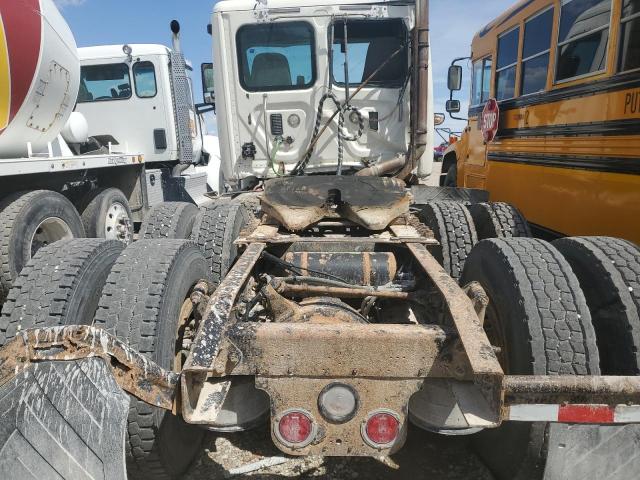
(438, 119)
(208, 87)
(454, 78)
(453, 106)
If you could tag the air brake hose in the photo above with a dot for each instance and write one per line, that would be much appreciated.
(342, 133)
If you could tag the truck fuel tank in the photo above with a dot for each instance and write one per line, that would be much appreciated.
(367, 268)
(39, 75)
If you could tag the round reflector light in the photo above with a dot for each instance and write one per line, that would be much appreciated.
(381, 429)
(293, 120)
(338, 402)
(295, 428)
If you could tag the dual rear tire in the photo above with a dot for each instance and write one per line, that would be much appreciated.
(136, 294)
(458, 227)
(28, 222)
(31, 220)
(539, 319)
(567, 308)
(585, 322)
(62, 419)
(608, 270)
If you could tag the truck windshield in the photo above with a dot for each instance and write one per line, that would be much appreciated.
(104, 82)
(276, 56)
(370, 43)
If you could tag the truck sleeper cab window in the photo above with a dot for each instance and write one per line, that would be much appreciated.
(630, 36)
(144, 76)
(507, 64)
(583, 38)
(369, 44)
(276, 56)
(100, 83)
(535, 52)
(481, 83)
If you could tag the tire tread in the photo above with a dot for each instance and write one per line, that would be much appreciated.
(453, 227)
(41, 293)
(499, 220)
(169, 220)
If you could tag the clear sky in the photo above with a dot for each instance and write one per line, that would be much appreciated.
(101, 22)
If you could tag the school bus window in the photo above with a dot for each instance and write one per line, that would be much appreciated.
(535, 52)
(630, 36)
(481, 81)
(507, 63)
(486, 79)
(583, 38)
(476, 89)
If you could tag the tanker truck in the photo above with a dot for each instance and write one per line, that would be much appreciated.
(90, 138)
(322, 299)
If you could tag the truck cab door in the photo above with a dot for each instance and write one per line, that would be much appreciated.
(373, 50)
(130, 102)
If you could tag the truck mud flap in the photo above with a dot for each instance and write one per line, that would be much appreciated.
(593, 452)
(63, 420)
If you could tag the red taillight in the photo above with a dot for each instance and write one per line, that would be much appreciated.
(381, 429)
(295, 428)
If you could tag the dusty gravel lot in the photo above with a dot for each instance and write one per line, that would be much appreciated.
(424, 456)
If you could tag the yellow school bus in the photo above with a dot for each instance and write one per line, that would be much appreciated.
(566, 77)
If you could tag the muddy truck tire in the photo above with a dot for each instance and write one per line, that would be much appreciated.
(141, 305)
(538, 317)
(608, 270)
(169, 220)
(453, 227)
(216, 228)
(498, 220)
(63, 420)
(28, 221)
(61, 285)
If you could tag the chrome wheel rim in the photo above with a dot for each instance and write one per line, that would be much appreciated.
(117, 224)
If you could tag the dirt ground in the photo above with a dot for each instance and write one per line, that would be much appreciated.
(424, 456)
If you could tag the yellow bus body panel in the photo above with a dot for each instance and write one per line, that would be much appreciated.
(574, 202)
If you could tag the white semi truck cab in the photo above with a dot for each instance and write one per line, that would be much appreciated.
(127, 94)
(90, 138)
(282, 72)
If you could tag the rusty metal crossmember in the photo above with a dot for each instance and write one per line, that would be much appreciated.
(133, 372)
(341, 351)
(399, 234)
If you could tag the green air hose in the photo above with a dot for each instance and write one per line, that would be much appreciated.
(274, 152)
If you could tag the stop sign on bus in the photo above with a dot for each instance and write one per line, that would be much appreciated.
(490, 120)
